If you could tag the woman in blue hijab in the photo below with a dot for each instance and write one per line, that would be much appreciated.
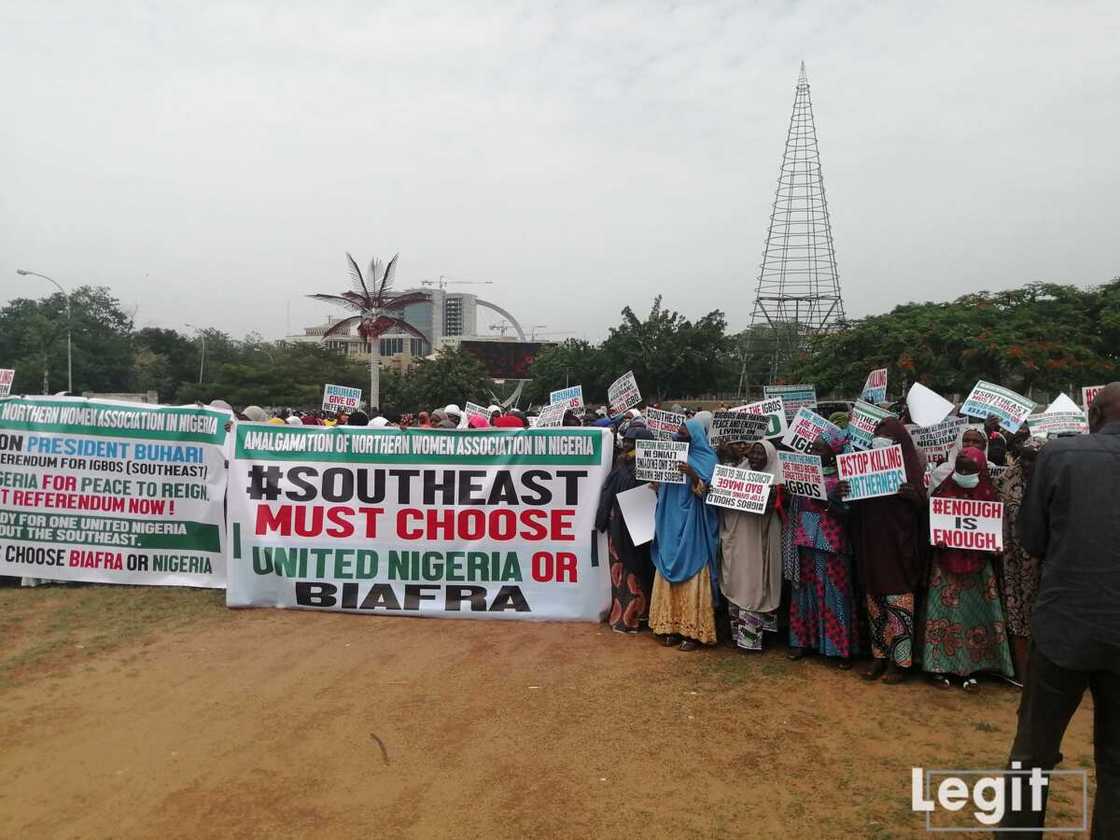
(686, 535)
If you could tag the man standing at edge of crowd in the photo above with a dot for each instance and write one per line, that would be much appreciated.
(1071, 520)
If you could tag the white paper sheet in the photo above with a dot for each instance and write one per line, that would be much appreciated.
(638, 505)
(927, 407)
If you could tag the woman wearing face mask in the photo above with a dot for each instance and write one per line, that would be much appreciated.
(965, 631)
(631, 570)
(822, 608)
(750, 569)
(892, 549)
(686, 537)
(1022, 572)
(968, 436)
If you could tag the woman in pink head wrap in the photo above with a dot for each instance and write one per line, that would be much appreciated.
(478, 422)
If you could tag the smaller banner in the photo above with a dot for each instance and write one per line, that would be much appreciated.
(742, 490)
(926, 407)
(623, 393)
(864, 417)
(6, 377)
(806, 427)
(1088, 394)
(663, 424)
(987, 399)
(803, 475)
(732, 426)
(572, 398)
(795, 397)
(1058, 423)
(550, 416)
(471, 410)
(772, 407)
(874, 472)
(338, 398)
(875, 388)
(966, 523)
(937, 441)
(656, 460)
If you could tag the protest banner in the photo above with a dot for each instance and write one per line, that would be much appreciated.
(987, 399)
(806, 427)
(471, 409)
(774, 408)
(926, 407)
(623, 393)
(937, 440)
(572, 398)
(491, 523)
(1057, 423)
(996, 471)
(550, 416)
(863, 419)
(966, 524)
(872, 472)
(732, 426)
(742, 490)
(663, 424)
(6, 377)
(875, 387)
(1088, 394)
(338, 398)
(803, 475)
(794, 397)
(112, 492)
(656, 460)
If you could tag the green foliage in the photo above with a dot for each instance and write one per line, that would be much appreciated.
(453, 376)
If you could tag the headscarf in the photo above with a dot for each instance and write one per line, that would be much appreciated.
(509, 421)
(686, 530)
(620, 479)
(311, 420)
(478, 422)
(293, 420)
(221, 404)
(358, 418)
(840, 418)
(422, 420)
(751, 571)
(379, 422)
(255, 413)
(945, 469)
(638, 432)
(705, 418)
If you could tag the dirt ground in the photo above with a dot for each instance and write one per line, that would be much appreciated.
(157, 713)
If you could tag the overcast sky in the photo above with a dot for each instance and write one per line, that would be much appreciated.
(213, 162)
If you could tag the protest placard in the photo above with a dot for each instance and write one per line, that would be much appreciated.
(471, 410)
(803, 475)
(872, 472)
(863, 419)
(1057, 423)
(656, 460)
(926, 407)
(623, 393)
(338, 398)
(423, 522)
(571, 397)
(742, 490)
(663, 424)
(112, 492)
(966, 524)
(987, 399)
(734, 426)
(550, 416)
(774, 408)
(1088, 394)
(6, 377)
(794, 397)
(937, 440)
(875, 387)
(806, 427)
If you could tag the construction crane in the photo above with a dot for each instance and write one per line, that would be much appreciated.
(501, 328)
(443, 282)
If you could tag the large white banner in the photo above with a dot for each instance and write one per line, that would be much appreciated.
(493, 523)
(112, 492)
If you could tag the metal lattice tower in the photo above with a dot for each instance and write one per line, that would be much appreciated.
(798, 286)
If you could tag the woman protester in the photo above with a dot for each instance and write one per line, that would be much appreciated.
(631, 570)
(1022, 572)
(964, 631)
(750, 568)
(967, 436)
(822, 610)
(686, 534)
(892, 549)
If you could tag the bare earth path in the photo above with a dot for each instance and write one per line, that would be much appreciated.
(150, 713)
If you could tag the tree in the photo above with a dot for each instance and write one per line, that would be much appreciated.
(573, 362)
(452, 376)
(376, 306)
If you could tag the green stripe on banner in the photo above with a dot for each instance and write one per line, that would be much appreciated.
(184, 536)
(12, 409)
(236, 540)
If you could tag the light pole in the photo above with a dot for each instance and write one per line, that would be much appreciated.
(69, 325)
(202, 363)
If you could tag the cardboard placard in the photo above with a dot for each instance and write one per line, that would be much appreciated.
(623, 393)
(657, 460)
(571, 397)
(806, 427)
(803, 475)
(775, 409)
(875, 387)
(862, 421)
(988, 399)
(872, 472)
(742, 490)
(966, 524)
(663, 424)
(795, 397)
(338, 398)
(730, 426)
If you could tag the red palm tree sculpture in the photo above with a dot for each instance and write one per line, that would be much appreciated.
(377, 310)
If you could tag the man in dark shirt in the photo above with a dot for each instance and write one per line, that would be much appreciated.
(1071, 519)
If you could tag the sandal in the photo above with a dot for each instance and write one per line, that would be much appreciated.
(940, 681)
(894, 676)
(795, 654)
(672, 640)
(875, 671)
(688, 644)
(971, 686)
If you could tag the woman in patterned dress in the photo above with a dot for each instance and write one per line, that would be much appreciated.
(965, 632)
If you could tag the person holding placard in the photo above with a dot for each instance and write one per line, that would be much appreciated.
(967, 436)
(686, 538)
(822, 607)
(750, 569)
(892, 550)
(964, 631)
(631, 570)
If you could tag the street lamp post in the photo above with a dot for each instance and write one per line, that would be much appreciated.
(202, 362)
(69, 325)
